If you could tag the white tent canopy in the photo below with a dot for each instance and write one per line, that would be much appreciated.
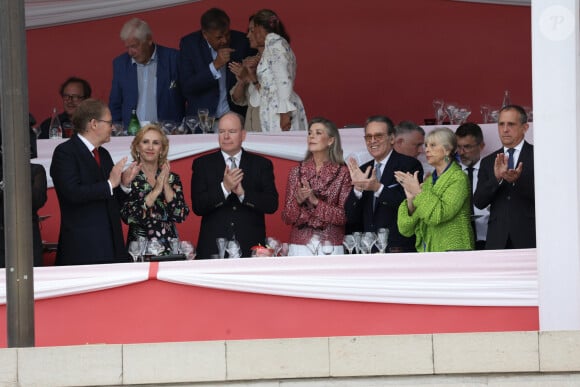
(43, 13)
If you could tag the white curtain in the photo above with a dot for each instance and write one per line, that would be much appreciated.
(472, 278)
(43, 13)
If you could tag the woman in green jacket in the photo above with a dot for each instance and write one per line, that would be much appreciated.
(437, 211)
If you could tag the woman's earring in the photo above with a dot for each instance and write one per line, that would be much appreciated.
(446, 158)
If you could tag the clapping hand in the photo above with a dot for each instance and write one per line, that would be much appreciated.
(233, 180)
(409, 182)
(239, 71)
(363, 181)
(501, 171)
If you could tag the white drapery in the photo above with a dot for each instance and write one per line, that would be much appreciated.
(474, 278)
(43, 13)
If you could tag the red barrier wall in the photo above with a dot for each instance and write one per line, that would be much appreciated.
(354, 58)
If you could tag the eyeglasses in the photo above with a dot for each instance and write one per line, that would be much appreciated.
(466, 147)
(107, 122)
(377, 137)
(73, 97)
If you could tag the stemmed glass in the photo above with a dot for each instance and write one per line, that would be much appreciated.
(451, 108)
(357, 237)
(210, 121)
(134, 250)
(190, 122)
(493, 115)
(221, 244)
(327, 247)
(187, 249)
(439, 112)
(202, 114)
(382, 239)
(484, 110)
(142, 241)
(154, 247)
(169, 127)
(313, 244)
(274, 244)
(368, 241)
(284, 248)
(461, 114)
(233, 249)
(349, 243)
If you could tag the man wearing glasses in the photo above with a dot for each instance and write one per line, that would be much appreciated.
(375, 198)
(73, 91)
(89, 187)
(469, 147)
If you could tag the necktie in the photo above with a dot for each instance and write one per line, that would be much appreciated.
(233, 162)
(378, 173)
(470, 175)
(511, 158)
(97, 156)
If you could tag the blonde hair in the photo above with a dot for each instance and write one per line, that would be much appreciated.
(139, 137)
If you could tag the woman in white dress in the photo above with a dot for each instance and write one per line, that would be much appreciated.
(281, 109)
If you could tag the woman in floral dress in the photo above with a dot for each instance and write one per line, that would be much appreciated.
(316, 191)
(281, 109)
(156, 200)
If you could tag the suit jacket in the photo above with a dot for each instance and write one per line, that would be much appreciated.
(90, 224)
(512, 212)
(124, 94)
(226, 216)
(362, 215)
(198, 84)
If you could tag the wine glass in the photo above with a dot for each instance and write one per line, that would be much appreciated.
(484, 110)
(368, 241)
(450, 108)
(134, 250)
(438, 104)
(221, 244)
(190, 123)
(142, 247)
(327, 247)
(461, 114)
(284, 249)
(357, 237)
(154, 247)
(169, 127)
(349, 243)
(174, 242)
(274, 244)
(493, 115)
(233, 249)
(313, 244)
(186, 248)
(202, 115)
(382, 239)
(210, 121)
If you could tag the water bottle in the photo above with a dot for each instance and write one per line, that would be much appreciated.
(134, 124)
(55, 128)
(506, 99)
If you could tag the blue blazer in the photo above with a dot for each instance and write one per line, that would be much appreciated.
(362, 215)
(90, 224)
(125, 93)
(198, 84)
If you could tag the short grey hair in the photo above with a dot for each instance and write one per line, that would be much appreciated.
(136, 28)
(445, 137)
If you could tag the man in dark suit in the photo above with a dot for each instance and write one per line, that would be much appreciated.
(374, 201)
(506, 182)
(231, 190)
(87, 187)
(145, 78)
(203, 71)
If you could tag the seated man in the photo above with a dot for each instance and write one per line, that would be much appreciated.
(145, 78)
(73, 91)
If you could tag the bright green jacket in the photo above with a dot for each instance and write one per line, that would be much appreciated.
(442, 217)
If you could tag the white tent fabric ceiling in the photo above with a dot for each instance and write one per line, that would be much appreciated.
(45, 13)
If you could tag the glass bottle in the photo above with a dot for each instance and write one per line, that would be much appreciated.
(134, 124)
(506, 99)
(55, 128)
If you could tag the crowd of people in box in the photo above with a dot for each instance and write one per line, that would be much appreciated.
(456, 202)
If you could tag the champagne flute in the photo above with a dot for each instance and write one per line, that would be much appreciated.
(202, 114)
(221, 244)
(134, 250)
(233, 249)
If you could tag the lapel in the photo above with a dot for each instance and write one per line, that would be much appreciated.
(87, 158)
